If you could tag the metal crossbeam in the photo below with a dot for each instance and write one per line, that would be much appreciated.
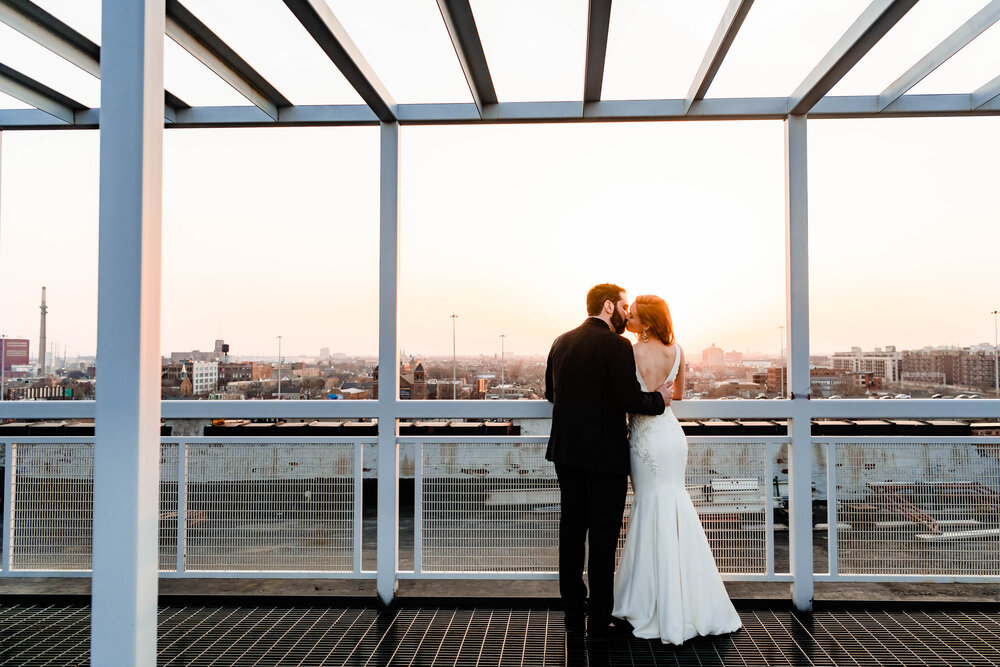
(319, 21)
(38, 94)
(45, 29)
(461, 26)
(984, 102)
(871, 26)
(951, 45)
(197, 39)
(724, 37)
(598, 23)
(987, 93)
(41, 27)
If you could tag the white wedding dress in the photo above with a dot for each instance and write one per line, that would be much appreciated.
(667, 585)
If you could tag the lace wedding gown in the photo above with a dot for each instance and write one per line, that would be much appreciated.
(667, 585)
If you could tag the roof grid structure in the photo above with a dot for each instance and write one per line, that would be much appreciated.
(52, 109)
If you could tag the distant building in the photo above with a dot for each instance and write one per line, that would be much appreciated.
(14, 352)
(204, 377)
(324, 353)
(713, 356)
(935, 366)
(412, 383)
(234, 373)
(977, 368)
(355, 394)
(968, 367)
(194, 355)
(885, 364)
(828, 381)
(735, 358)
(261, 371)
(777, 379)
(760, 379)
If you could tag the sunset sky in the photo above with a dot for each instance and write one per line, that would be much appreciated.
(273, 232)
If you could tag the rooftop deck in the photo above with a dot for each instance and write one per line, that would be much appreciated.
(300, 631)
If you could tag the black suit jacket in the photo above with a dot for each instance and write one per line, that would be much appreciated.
(590, 381)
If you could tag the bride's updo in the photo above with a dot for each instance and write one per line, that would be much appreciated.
(654, 313)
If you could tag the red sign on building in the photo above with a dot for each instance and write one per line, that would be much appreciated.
(13, 352)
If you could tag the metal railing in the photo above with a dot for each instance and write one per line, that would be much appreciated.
(911, 508)
(488, 507)
(270, 507)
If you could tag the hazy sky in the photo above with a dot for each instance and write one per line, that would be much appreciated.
(274, 232)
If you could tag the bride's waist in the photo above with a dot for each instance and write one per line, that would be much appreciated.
(666, 414)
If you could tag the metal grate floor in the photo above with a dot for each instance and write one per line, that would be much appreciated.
(58, 634)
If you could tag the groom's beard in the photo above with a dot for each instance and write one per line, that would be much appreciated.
(617, 323)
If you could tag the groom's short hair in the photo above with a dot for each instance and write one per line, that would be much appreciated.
(598, 294)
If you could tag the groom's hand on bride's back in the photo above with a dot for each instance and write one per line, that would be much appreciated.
(666, 391)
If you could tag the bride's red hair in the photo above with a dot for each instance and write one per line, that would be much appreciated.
(654, 313)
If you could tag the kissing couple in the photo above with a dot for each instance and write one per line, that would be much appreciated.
(667, 585)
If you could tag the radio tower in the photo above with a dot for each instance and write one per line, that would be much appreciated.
(41, 338)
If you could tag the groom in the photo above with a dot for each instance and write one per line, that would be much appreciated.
(591, 382)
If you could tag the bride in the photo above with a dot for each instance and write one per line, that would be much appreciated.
(667, 585)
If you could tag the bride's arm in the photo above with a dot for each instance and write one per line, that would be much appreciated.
(680, 380)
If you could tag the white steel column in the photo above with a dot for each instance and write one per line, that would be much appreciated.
(797, 319)
(388, 353)
(127, 411)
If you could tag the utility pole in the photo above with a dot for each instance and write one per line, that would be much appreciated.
(502, 336)
(3, 366)
(781, 363)
(454, 359)
(996, 355)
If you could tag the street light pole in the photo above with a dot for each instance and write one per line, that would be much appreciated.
(454, 359)
(502, 336)
(3, 366)
(781, 362)
(996, 355)
(279, 368)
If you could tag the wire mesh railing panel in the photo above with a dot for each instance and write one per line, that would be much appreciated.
(488, 507)
(52, 506)
(728, 485)
(168, 506)
(916, 508)
(268, 506)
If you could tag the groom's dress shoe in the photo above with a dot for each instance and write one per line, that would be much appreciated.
(575, 623)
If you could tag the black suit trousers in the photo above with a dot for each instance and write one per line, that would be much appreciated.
(592, 508)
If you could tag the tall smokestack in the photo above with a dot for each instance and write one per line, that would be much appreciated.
(41, 338)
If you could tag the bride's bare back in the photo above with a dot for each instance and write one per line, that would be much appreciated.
(654, 361)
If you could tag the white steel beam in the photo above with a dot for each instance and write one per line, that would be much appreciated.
(387, 531)
(461, 26)
(983, 102)
(45, 29)
(127, 410)
(951, 45)
(598, 24)
(38, 95)
(873, 24)
(319, 21)
(797, 321)
(986, 93)
(197, 39)
(732, 20)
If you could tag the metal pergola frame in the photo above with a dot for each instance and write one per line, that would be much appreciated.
(134, 110)
(269, 108)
